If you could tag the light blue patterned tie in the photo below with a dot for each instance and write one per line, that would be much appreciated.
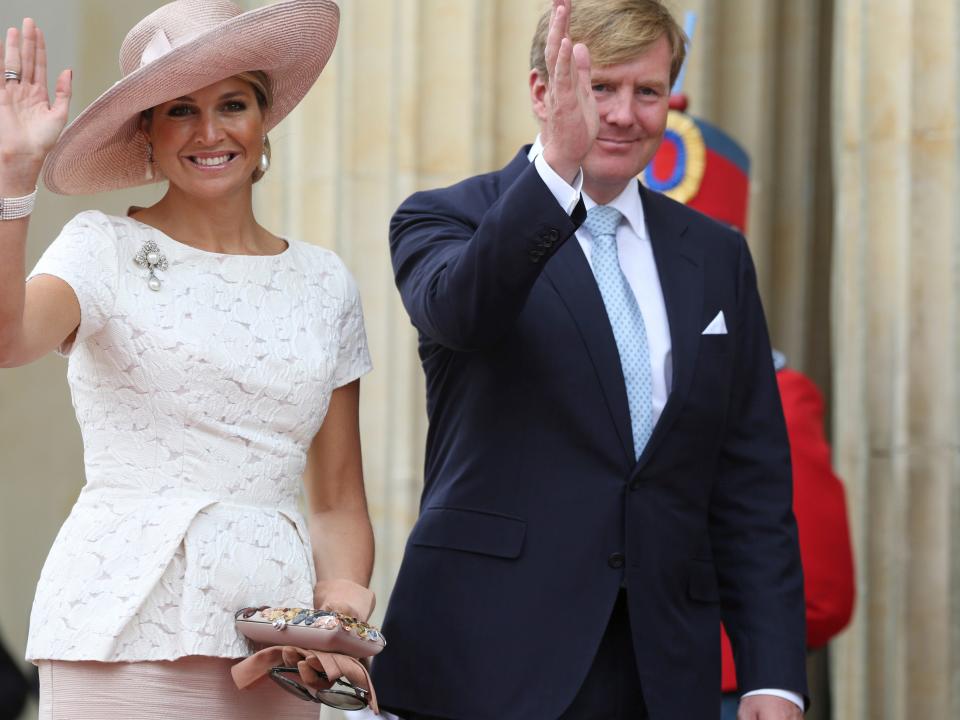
(626, 320)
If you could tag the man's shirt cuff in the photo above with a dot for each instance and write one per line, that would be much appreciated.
(568, 196)
(785, 694)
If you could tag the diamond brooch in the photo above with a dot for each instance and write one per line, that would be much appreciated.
(150, 257)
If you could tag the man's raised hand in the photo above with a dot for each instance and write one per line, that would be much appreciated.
(571, 122)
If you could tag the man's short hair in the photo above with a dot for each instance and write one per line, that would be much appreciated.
(614, 31)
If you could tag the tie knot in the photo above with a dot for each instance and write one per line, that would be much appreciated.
(602, 220)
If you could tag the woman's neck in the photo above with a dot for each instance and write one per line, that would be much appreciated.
(221, 225)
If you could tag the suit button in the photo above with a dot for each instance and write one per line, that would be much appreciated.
(615, 561)
(635, 484)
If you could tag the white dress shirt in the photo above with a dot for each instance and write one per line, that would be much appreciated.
(636, 262)
(640, 268)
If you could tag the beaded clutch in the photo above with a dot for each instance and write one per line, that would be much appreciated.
(323, 630)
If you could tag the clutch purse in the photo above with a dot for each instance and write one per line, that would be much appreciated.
(322, 630)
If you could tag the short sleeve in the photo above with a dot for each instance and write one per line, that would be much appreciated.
(84, 256)
(353, 356)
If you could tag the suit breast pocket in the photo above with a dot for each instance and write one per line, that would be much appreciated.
(705, 403)
(715, 344)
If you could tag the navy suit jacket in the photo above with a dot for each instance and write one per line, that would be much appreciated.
(535, 512)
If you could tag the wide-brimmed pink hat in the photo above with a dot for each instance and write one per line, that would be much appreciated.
(180, 48)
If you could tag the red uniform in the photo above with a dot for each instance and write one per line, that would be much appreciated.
(821, 510)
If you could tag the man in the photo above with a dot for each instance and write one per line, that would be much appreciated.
(607, 467)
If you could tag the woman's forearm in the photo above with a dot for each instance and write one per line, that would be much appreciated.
(343, 545)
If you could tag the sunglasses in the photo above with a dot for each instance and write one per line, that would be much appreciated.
(353, 698)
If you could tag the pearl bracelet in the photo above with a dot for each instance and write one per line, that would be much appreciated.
(18, 207)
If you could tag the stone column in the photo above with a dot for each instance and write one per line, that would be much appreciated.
(757, 70)
(896, 330)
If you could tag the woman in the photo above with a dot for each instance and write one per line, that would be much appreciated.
(212, 365)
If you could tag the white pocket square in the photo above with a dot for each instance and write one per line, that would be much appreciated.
(717, 326)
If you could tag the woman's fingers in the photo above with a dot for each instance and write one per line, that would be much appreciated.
(28, 50)
(40, 68)
(291, 655)
(64, 90)
(311, 676)
(11, 55)
(345, 596)
(25, 53)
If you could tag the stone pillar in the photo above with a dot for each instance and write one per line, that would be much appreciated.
(896, 331)
(757, 70)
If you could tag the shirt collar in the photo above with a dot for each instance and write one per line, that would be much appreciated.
(536, 149)
(627, 202)
(630, 205)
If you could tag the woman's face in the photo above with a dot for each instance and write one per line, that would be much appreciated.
(208, 143)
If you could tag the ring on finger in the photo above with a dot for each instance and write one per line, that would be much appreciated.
(13, 75)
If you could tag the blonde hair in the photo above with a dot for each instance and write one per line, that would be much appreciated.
(614, 31)
(260, 82)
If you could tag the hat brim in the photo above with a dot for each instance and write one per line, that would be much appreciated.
(103, 148)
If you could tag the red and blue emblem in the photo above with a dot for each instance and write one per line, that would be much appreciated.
(700, 165)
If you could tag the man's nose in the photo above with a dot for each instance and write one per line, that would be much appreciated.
(619, 108)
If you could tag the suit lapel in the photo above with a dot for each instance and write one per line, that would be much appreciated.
(571, 275)
(680, 267)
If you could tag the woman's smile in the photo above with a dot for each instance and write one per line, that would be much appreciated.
(212, 161)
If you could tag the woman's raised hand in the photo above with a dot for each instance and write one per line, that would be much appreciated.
(29, 123)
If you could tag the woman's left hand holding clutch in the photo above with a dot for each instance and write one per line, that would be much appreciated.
(346, 597)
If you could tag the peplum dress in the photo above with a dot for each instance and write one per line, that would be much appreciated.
(197, 405)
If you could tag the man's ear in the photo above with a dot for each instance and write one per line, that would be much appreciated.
(538, 94)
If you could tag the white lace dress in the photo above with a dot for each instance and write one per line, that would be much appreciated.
(197, 404)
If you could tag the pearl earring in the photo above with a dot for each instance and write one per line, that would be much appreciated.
(264, 158)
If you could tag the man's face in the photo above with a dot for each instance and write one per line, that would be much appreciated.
(632, 102)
